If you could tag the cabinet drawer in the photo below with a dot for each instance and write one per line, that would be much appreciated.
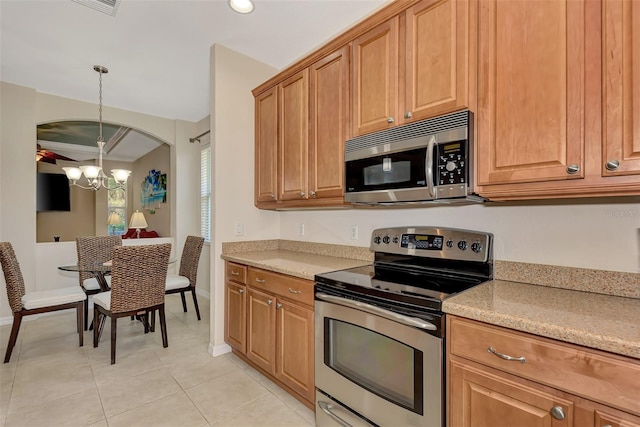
(279, 284)
(610, 379)
(236, 272)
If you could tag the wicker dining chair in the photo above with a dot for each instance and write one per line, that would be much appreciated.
(26, 303)
(93, 250)
(137, 285)
(185, 280)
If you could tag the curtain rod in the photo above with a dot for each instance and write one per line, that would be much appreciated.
(197, 138)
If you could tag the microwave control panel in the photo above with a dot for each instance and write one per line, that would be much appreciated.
(451, 163)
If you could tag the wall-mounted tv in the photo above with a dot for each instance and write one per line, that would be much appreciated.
(53, 192)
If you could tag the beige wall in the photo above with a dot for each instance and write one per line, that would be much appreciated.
(232, 77)
(158, 159)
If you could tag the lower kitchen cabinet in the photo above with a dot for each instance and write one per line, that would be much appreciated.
(278, 319)
(544, 383)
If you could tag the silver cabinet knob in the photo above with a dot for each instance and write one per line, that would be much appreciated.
(612, 165)
(390, 120)
(408, 115)
(312, 193)
(557, 412)
(269, 301)
(573, 169)
(241, 291)
(278, 305)
(273, 196)
(302, 193)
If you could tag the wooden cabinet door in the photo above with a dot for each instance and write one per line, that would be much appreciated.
(604, 419)
(235, 323)
(375, 79)
(261, 329)
(266, 146)
(437, 58)
(293, 138)
(478, 398)
(531, 86)
(621, 87)
(295, 344)
(329, 124)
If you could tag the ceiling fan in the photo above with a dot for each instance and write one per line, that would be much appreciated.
(47, 156)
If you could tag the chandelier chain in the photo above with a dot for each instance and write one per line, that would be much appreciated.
(100, 138)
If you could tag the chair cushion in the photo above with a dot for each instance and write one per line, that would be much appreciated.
(91, 284)
(51, 297)
(103, 299)
(176, 282)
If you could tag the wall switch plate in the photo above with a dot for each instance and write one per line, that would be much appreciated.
(301, 229)
(353, 232)
(239, 227)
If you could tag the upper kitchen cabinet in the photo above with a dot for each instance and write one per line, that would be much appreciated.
(293, 116)
(556, 84)
(621, 87)
(266, 146)
(413, 66)
(301, 126)
(329, 125)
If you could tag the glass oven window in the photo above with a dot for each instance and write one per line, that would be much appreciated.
(404, 169)
(382, 365)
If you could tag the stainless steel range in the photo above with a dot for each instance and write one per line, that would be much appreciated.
(379, 329)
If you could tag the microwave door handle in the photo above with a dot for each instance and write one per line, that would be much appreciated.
(400, 318)
(429, 166)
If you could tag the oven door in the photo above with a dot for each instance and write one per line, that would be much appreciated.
(382, 369)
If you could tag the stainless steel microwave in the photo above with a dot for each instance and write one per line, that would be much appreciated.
(429, 161)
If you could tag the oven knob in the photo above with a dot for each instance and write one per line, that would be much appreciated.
(396, 240)
(451, 166)
(386, 240)
(449, 243)
(377, 240)
(476, 247)
(462, 245)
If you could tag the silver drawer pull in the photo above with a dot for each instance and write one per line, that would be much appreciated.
(520, 359)
(293, 291)
(260, 280)
(327, 409)
(234, 273)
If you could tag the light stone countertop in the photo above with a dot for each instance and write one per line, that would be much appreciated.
(298, 264)
(563, 304)
(604, 322)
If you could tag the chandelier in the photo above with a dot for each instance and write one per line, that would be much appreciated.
(94, 175)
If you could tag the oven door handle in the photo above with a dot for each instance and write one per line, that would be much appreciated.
(326, 408)
(400, 318)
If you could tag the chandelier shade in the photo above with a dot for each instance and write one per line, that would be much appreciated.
(94, 174)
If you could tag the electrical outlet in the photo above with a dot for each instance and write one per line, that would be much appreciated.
(239, 229)
(354, 232)
(301, 229)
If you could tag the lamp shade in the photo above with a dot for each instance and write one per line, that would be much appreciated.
(138, 220)
(114, 219)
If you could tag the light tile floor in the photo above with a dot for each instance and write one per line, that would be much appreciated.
(50, 381)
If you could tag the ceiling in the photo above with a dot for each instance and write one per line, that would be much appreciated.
(157, 51)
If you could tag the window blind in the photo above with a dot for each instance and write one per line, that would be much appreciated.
(205, 193)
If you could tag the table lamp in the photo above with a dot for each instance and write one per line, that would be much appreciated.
(113, 220)
(138, 222)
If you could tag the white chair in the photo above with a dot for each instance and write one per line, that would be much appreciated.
(23, 304)
(185, 281)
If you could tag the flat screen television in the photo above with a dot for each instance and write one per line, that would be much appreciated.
(53, 192)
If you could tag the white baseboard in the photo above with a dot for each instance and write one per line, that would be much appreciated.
(219, 350)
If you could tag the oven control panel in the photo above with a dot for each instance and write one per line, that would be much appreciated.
(434, 242)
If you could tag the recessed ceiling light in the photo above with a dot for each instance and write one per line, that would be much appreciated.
(241, 6)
